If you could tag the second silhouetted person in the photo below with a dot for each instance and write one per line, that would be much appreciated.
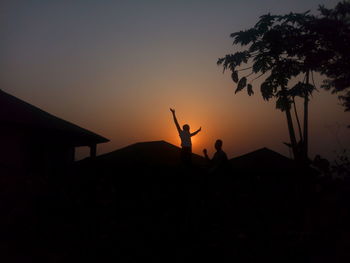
(219, 162)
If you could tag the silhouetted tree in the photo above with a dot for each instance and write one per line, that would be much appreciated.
(333, 29)
(283, 48)
(275, 48)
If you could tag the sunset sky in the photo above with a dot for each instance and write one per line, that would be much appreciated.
(115, 68)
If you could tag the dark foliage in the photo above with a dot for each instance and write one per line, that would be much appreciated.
(333, 29)
(280, 48)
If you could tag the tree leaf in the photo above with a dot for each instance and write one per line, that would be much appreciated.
(241, 84)
(267, 90)
(250, 89)
(283, 103)
(301, 89)
(234, 76)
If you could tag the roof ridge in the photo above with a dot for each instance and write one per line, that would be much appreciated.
(43, 117)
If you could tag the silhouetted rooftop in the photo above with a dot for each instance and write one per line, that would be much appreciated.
(149, 154)
(262, 159)
(16, 112)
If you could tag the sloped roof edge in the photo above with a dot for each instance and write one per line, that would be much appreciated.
(16, 111)
(258, 151)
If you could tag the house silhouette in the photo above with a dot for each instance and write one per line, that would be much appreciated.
(266, 162)
(263, 160)
(149, 154)
(34, 141)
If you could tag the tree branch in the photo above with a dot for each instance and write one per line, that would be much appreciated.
(244, 69)
(251, 73)
(257, 77)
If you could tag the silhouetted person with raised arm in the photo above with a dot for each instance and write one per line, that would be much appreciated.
(185, 136)
(219, 162)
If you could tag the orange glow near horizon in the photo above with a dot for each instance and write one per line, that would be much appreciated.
(116, 68)
(242, 127)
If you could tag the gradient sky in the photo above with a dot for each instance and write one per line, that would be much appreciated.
(115, 68)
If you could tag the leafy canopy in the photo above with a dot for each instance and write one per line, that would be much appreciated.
(280, 47)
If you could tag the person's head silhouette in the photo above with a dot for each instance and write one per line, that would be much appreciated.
(186, 127)
(218, 145)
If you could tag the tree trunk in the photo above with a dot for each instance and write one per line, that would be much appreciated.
(297, 119)
(292, 137)
(293, 140)
(306, 120)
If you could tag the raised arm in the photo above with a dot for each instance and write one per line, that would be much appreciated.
(175, 120)
(197, 131)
